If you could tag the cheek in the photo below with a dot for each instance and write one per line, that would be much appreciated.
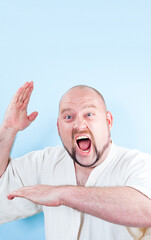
(100, 131)
(65, 133)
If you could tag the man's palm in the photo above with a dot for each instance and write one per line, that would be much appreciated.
(16, 115)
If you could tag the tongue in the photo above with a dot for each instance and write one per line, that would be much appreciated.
(84, 144)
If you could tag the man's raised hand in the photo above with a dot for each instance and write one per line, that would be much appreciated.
(16, 115)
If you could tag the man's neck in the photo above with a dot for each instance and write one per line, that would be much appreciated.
(83, 173)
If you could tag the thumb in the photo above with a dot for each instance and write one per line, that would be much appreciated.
(32, 116)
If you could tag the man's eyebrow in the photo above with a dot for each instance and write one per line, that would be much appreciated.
(65, 110)
(89, 106)
(70, 109)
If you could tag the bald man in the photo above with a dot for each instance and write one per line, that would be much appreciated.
(89, 188)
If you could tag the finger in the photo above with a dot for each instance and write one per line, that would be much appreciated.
(16, 96)
(14, 194)
(27, 97)
(21, 192)
(32, 116)
(11, 196)
(25, 87)
(19, 93)
(27, 90)
(25, 192)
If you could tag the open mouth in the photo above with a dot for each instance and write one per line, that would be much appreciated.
(84, 143)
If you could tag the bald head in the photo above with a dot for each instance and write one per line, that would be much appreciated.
(88, 89)
(84, 125)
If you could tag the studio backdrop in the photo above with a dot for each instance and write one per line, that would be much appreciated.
(59, 44)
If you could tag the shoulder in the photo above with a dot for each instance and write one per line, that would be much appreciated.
(131, 155)
(132, 161)
(55, 152)
(39, 158)
(54, 155)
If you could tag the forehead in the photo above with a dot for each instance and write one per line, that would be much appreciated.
(80, 98)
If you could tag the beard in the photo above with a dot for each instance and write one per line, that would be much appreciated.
(73, 156)
(98, 154)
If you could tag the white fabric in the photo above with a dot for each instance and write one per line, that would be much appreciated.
(122, 167)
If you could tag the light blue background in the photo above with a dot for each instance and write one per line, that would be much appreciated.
(57, 44)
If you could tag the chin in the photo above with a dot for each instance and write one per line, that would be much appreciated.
(87, 161)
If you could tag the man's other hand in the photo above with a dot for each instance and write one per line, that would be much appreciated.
(40, 194)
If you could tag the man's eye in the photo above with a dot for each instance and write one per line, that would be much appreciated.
(89, 114)
(68, 117)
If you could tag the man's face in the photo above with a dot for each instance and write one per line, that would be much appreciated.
(84, 126)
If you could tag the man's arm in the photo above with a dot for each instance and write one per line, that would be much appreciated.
(120, 205)
(16, 119)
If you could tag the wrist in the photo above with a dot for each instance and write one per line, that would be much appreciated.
(70, 195)
(9, 130)
(65, 193)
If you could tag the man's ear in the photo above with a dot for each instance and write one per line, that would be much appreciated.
(109, 118)
(58, 127)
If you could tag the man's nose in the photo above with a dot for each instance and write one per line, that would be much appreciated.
(80, 124)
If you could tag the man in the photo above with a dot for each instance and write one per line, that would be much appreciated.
(88, 189)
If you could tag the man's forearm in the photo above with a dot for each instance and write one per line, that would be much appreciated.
(120, 205)
(7, 137)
